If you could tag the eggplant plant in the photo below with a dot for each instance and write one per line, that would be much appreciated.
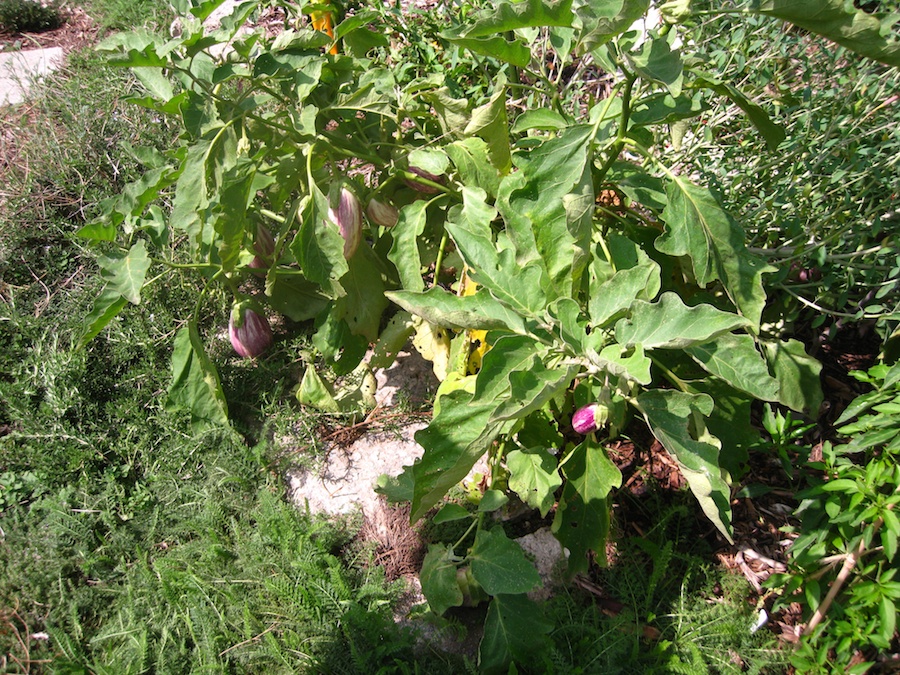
(533, 241)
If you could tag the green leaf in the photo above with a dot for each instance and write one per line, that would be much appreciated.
(315, 393)
(460, 433)
(604, 19)
(512, 51)
(887, 612)
(698, 227)
(657, 62)
(155, 81)
(195, 382)
(404, 251)
(442, 308)
(470, 227)
(473, 164)
(671, 324)
(438, 579)
(836, 20)
(505, 16)
(125, 274)
(736, 360)
(622, 361)
(492, 500)
(295, 297)
(107, 305)
(797, 374)
(730, 422)
(449, 513)
(319, 247)
(515, 630)
(499, 564)
(489, 123)
(635, 278)
(533, 387)
(364, 301)
(674, 418)
(234, 197)
(534, 477)
(582, 518)
(771, 131)
(548, 207)
(540, 118)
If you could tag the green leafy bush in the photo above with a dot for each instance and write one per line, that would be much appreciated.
(844, 559)
(29, 16)
(545, 259)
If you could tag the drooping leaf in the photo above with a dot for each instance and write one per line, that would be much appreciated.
(771, 131)
(736, 360)
(106, 306)
(404, 251)
(499, 564)
(460, 433)
(673, 417)
(438, 579)
(669, 323)
(631, 363)
(195, 382)
(533, 476)
(839, 21)
(698, 227)
(515, 630)
(125, 274)
(489, 123)
(319, 247)
(635, 277)
(363, 301)
(478, 312)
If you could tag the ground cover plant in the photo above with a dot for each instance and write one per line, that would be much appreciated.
(539, 240)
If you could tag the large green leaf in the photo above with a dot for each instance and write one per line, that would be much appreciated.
(736, 360)
(671, 324)
(480, 311)
(675, 418)
(635, 277)
(515, 630)
(797, 374)
(499, 564)
(507, 16)
(363, 301)
(438, 579)
(656, 61)
(533, 387)
(548, 206)
(534, 477)
(517, 286)
(195, 382)
(582, 518)
(462, 430)
(839, 21)
(125, 274)
(404, 251)
(319, 247)
(602, 20)
(489, 123)
(698, 227)
(473, 164)
(106, 306)
(233, 198)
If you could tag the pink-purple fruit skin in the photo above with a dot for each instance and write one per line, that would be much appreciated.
(423, 187)
(252, 337)
(348, 216)
(382, 214)
(584, 421)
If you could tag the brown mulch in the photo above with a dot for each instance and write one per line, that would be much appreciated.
(78, 31)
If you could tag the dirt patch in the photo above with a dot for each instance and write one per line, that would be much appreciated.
(78, 31)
